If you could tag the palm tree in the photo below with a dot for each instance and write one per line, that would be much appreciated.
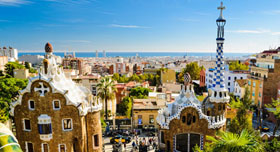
(231, 142)
(106, 91)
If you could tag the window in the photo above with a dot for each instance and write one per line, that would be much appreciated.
(194, 119)
(45, 128)
(249, 82)
(228, 83)
(260, 94)
(29, 147)
(67, 124)
(253, 94)
(235, 78)
(241, 78)
(228, 78)
(62, 148)
(254, 84)
(45, 148)
(224, 107)
(219, 107)
(95, 141)
(151, 119)
(184, 119)
(93, 90)
(139, 119)
(260, 85)
(189, 119)
(31, 105)
(162, 137)
(56, 104)
(26, 125)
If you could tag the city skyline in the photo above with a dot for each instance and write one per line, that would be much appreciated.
(129, 25)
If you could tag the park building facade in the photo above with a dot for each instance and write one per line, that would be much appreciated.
(54, 114)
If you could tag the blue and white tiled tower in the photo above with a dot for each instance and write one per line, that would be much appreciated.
(219, 92)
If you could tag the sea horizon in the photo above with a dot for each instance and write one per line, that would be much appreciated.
(140, 54)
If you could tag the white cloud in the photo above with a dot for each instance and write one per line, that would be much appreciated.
(71, 1)
(258, 31)
(272, 12)
(13, 2)
(127, 26)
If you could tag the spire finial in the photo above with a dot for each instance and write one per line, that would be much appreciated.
(222, 7)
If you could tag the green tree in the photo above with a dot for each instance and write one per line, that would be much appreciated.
(241, 122)
(274, 107)
(231, 142)
(124, 108)
(116, 77)
(193, 69)
(106, 91)
(9, 88)
(27, 65)
(273, 145)
(139, 92)
(238, 66)
(134, 77)
(10, 66)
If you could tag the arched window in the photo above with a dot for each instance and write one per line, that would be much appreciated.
(215, 94)
(220, 94)
(208, 113)
(224, 107)
(184, 119)
(189, 119)
(194, 119)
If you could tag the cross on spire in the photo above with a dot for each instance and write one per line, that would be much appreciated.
(222, 7)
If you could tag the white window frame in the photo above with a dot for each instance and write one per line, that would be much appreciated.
(26, 146)
(29, 105)
(63, 124)
(23, 122)
(43, 147)
(64, 146)
(93, 141)
(54, 106)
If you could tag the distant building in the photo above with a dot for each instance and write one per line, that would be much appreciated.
(3, 62)
(73, 63)
(239, 88)
(264, 78)
(54, 114)
(202, 78)
(9, 52)
(21, 73)
(96, 54)
(230, 78)
(104, 53)
(167, 76)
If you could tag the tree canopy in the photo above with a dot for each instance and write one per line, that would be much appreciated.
(124, 108)
(237, 65)
(193, 69)
(10, 66)
(274, 107)
(139, 93)
(9, 91)
(241, 121)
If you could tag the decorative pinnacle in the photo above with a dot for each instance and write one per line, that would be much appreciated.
(222, 7)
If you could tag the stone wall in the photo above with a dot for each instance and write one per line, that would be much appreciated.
(93, 128)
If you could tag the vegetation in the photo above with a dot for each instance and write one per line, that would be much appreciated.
(153, 79)
(139, 93)
(9, 88)
(106, 91)
(193, 69)
(274, 107)
(241, 122)
(238, 66)
(9, 68)
(124, 108)
(273, 145)
(232, 142)
(31, 70)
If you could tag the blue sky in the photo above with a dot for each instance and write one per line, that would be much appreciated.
(138, 25)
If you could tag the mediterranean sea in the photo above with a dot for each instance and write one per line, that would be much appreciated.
(140, 54)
